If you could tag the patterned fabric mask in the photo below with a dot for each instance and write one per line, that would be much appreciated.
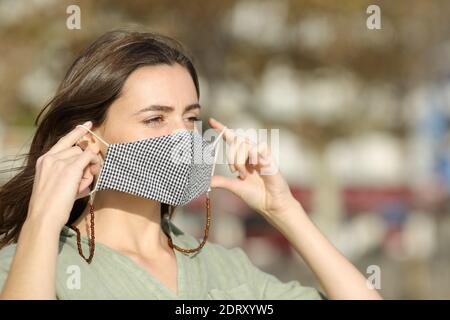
(172, 169)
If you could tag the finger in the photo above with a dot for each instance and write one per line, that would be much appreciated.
(250, 168)
(267, 164)
(86, 158)
(231, 151)
(259, 156)
(71, 138)
(241, 159)
(68, 153)
(228, 135)
(253, 156)
(264, 154)
(231, 184)
(233, 141)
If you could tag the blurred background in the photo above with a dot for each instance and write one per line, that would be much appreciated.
(363, 116)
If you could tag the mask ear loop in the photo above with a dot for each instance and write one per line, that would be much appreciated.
(91, 213)
(215, 144)
(208, 207)
(91, 193)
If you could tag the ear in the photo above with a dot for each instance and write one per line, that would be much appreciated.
(89, 141)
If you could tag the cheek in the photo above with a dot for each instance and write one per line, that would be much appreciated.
(128, 131)
(120, 129)
(103, 152)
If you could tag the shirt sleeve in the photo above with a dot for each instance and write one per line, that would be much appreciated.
(270, 287)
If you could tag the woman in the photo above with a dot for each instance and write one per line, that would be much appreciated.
(125, 87)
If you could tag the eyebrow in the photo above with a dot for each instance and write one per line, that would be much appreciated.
(166, 109)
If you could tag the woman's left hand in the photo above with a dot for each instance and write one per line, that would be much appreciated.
(259, 182)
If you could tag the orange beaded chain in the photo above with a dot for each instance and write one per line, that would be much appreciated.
(208, 223)
(170, 242)
(91, 238)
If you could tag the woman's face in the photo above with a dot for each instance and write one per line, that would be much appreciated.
(155, 101)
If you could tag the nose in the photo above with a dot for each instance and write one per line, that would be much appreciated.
(179, 124)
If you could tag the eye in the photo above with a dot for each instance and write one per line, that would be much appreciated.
(193, 119)
(154, 120)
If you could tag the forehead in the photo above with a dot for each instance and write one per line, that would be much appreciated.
(170, 85)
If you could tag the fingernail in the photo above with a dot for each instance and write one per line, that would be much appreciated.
(87, 123)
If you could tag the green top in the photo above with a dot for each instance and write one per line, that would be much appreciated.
(213, 273)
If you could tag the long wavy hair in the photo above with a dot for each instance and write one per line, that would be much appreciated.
(92, 83)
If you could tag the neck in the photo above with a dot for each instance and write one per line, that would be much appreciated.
(126, 223)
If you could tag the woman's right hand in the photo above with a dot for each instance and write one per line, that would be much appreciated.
(63, 174)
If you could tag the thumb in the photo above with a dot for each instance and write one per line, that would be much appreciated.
(222, 182)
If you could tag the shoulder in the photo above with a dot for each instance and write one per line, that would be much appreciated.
(232, 257)
(233, 268)
(214, 257)
(237, 263)
(6, 256)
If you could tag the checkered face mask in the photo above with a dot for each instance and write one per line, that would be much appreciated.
(172, 169)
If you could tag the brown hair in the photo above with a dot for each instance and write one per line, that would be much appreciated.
(92, 83)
